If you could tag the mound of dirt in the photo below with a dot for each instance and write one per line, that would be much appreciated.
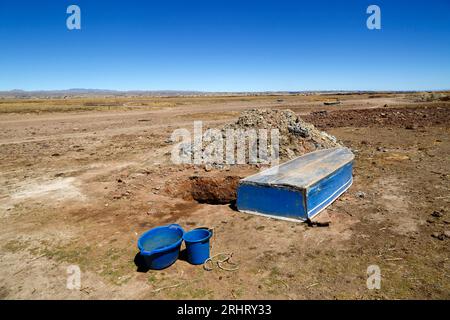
(296, 137)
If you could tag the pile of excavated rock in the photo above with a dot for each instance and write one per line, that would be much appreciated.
(296, 137)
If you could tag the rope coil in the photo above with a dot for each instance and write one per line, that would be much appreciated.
(226, 259)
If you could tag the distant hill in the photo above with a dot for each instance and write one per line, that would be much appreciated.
(17, 93)
(81, 92)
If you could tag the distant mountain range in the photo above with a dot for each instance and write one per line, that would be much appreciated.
(94, 92)
(80, 92)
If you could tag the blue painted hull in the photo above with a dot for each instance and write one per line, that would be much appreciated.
(299, 189)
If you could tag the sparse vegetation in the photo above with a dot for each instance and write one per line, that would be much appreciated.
(119, 182)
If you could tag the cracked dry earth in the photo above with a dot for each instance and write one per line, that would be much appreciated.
(77, 188)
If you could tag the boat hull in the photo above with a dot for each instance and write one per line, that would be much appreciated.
(278, 196)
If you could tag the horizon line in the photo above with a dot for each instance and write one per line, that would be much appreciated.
(224, 91)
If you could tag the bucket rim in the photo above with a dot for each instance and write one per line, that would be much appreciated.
(197, 240)
(163, 249)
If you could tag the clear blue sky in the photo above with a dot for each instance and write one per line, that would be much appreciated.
(225, 45)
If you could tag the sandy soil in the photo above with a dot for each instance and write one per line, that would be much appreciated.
(78, 188)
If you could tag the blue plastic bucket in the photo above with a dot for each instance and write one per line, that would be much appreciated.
(160, 246)
(197, 245)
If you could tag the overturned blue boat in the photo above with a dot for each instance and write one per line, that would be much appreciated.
(300, 188)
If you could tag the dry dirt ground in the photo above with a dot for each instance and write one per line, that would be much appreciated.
(79, 187)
